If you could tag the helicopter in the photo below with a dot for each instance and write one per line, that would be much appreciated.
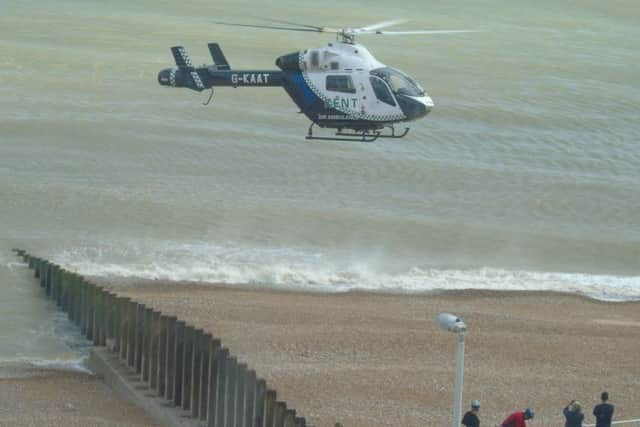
(340, 86)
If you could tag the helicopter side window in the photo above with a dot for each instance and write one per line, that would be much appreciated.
(381, 90)
(340, 84)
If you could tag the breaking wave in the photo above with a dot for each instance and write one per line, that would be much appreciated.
(308, 271)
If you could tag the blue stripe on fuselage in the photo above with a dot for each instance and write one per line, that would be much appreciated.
(306, 91)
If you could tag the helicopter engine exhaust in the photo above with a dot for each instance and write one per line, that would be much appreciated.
(289, 62)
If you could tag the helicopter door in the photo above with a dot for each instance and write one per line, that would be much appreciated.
(382, 91)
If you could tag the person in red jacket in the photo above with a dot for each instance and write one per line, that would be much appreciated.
(517, 419)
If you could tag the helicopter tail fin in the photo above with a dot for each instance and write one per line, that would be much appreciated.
(218, 57)
(181, 57)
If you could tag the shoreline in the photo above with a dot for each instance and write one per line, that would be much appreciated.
(116, 282)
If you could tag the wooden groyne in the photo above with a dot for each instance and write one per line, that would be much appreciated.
(187, 368)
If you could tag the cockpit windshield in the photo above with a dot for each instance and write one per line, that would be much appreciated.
(399, 82)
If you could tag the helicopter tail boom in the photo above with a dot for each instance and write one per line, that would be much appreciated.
(205, 77)
(217, 74)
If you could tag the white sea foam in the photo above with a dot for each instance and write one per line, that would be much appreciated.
(75, 365)
(312, 271)
(13, 265)
(18, 367)
(9, 260)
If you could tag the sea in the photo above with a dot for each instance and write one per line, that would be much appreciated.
(524, 176)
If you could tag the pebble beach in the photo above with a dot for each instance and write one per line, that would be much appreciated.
(367, 359)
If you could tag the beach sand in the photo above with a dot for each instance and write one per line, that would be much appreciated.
(368, 360)
(38, 397)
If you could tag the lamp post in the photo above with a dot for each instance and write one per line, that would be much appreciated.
(452, 323)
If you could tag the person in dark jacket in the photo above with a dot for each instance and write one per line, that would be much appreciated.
(603, 411)
(471, 419)
(573, 414)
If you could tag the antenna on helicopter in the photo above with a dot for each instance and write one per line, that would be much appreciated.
(346, 35)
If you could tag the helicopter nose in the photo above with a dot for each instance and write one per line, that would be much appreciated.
(428, 102)
(415, 107)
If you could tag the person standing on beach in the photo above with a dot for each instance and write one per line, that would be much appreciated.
(471, 419)
(603, 411)
(573, 414)
(518, 419)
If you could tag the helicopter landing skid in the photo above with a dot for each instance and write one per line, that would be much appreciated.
(361, 136)
(392, 134)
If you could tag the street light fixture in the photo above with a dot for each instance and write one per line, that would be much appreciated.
(452, 323)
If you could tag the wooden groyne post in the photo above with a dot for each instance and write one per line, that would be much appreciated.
(186, 367)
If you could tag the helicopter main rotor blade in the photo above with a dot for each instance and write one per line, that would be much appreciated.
(279, 21)
(348, 34)
(270, 27)
(401, 33)
(379, 25)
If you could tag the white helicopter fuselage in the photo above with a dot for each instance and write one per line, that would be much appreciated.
(353, 85)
